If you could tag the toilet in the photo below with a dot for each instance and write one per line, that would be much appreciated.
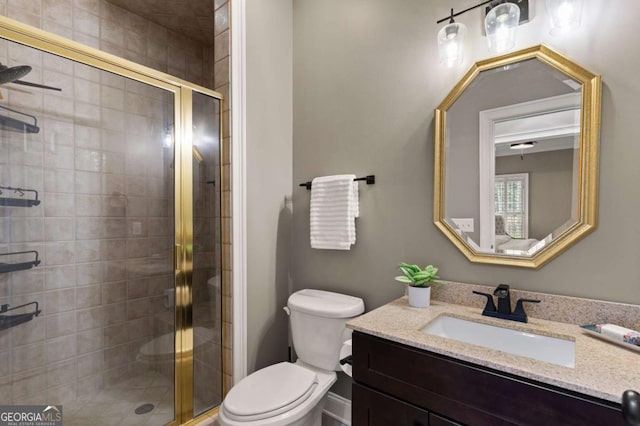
(294, 394)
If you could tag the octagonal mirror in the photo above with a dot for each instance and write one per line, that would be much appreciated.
(516, 158)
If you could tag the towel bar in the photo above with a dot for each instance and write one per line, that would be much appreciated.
(370, 179)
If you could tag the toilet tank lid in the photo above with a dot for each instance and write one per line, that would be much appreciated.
(325, 304)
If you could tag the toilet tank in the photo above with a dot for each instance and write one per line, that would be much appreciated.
(318, 321)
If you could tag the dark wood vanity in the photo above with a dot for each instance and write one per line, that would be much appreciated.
(395, 384)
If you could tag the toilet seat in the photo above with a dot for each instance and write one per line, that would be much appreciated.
(269, 392)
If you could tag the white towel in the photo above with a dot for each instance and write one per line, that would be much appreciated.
(334, 207)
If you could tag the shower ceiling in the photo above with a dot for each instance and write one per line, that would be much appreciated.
(192, 18)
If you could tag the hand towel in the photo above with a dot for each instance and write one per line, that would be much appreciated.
(619, 333)
(334, 207)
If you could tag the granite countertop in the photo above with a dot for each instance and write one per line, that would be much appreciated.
(602, 369)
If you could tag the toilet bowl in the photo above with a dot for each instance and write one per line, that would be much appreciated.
(294, 394)
(298, 398)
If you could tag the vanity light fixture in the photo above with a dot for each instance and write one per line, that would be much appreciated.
(565, 15)
(502, 20)
(450, 43)
(501, 25)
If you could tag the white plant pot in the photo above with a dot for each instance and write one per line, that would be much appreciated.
(419, 297)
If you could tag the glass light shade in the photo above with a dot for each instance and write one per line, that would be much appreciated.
(450, 44)
(565, 15)
(501, 25)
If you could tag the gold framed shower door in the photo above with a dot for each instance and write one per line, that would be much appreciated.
(183, 172)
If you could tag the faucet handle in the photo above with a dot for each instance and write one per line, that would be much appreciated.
(519, 310)
(490, 306)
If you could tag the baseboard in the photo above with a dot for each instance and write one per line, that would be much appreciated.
(338, 408)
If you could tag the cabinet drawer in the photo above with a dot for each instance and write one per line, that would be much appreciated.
(371, 408)
(470, 394)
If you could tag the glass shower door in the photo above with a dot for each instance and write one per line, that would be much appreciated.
(87, 233)
(207, 267)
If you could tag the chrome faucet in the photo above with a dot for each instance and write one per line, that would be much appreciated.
(504, 305)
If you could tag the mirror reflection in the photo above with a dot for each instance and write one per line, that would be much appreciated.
(511, 154)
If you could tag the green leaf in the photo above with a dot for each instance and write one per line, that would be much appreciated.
(406, 270)
(403, 279)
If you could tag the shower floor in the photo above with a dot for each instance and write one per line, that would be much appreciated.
(116, 404)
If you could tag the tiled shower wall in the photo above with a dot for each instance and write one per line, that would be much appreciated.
(95, 317)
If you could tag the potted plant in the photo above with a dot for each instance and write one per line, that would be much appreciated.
(418, 280)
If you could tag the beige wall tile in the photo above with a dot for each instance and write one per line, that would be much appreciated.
(59, 157)
(88, 296)
(60, 253)
(114, 292)
(59, 11)
(61, 373)
(88, 228)
(90, 364)
(59, 229)
(86, 22)
(58, 277)
(60, 325)
(60, 301)
(116, 335)
(59, 204)
(88, 250)
(222, 45)
(87, 274)
(28, 385)
(27, 357)
(87, 319)
(138, 308)
(61, 348)
(114, 313)
(89, 341)
(221, 72)
(58, 181)
(30, 281)
(221, 22)
(31, 332)
(116, 356)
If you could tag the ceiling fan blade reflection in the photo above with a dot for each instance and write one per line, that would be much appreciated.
(7, 75)
(42, 86)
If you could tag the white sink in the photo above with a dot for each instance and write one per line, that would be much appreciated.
(543, 348)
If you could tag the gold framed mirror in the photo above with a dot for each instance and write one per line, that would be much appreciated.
(516, 158)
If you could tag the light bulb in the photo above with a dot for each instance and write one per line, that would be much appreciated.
(451, 43)
(501, 25)
(566, 15)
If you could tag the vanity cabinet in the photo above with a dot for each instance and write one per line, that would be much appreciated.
(396, 384)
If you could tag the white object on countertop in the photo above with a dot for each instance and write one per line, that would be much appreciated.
(334, 207)
(616, 332)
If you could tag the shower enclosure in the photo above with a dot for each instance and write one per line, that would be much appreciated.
(110, 260)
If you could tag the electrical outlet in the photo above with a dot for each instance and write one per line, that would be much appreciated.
(464, 224)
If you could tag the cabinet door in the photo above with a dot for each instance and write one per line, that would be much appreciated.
(371, 408)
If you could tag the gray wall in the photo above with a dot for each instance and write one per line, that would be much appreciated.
(366, 82)
(268, 168)
(550, 184)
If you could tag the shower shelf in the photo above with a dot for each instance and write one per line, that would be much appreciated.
(18, 202)
(13, 124)
(21, 266)
(8, 321)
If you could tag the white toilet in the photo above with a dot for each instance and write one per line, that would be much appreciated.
(294, 394)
